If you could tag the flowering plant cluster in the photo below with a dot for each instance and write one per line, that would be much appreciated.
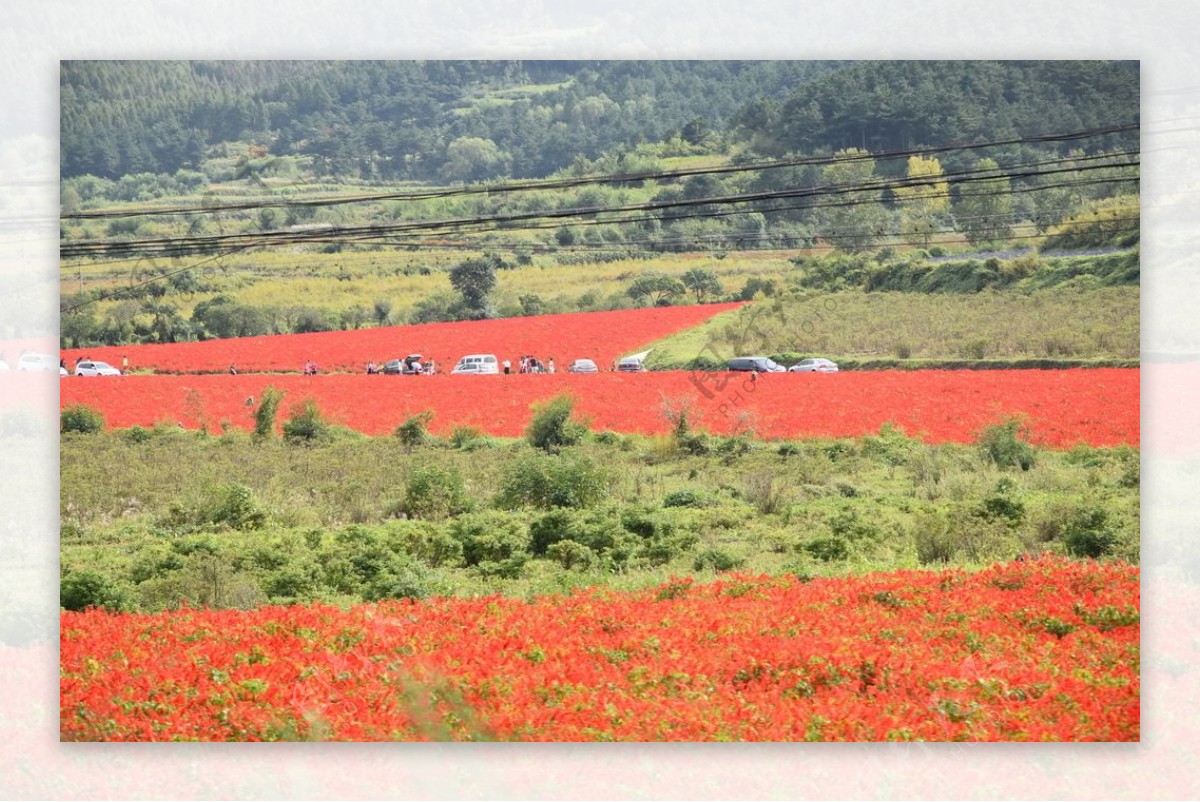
(1027, 651)
(602, 336)
(1099, 407)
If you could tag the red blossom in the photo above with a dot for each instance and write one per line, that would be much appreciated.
(942, 655)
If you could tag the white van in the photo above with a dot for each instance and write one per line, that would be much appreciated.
(477, 364)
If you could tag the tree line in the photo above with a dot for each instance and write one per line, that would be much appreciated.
(477, 120)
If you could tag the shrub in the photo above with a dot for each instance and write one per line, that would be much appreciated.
(414, 431)
(468, 438)
(570, 554)
(433, 492)
(233, 505)
(552, 427)
(717, 559)
(402, 579)
(828, 549)
(1002, 444)
(598, 530)
(264, 416)
(80, 590)
(306, 425)
(80, 418)
(138, 434)
(1090, 533)
(428, 542)
(766, 494)
(687, 497)
(495, 543)
(569, 480)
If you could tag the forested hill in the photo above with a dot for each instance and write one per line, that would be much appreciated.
(474, 120)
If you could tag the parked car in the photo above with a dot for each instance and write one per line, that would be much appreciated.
(631, 364)
(583, 366)
(760, 363)
(93, 368)
(814, 365)
(393, 366)
(37, 362)
(479, 364)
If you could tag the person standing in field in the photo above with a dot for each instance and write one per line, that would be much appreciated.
(550, 365)
(507, 367)
(124, 364)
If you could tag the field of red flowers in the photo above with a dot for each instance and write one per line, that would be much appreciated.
(1028, 651)
(1097, 406)
(602, 336)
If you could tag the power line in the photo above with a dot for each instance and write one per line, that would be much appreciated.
(524, 186)
(396, 238)
(180, 245)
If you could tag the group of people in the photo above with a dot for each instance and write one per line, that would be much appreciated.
(530, 364)
(413, 367)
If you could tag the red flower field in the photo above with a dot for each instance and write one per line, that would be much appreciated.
(1095, 406)
(602, 336)
(1028, 651)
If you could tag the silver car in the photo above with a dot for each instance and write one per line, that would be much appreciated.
(93, 368)
(583, 366)
(814, 365)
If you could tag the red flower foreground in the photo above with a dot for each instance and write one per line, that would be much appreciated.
(1099, 407)
(602, 336)
(1041, 650)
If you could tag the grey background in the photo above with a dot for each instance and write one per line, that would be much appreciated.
(35, 36)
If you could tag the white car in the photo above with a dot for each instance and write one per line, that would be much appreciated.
(93, 368)
(816, 365)
(37, 362)
(477, 364)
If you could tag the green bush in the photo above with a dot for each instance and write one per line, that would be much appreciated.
(426, 541)
(552, 427)
(80, 418)
(233, 505)
(415, 431)
(403, 579)
(1003, 445)
(687, 497)
(494, 543)
(718, 560)
(306, 425)
(828, 549)
(268, 409)
(599, 530)
(1090, 533)
(80, 590)
(433, 492)
(567, 480)
(469, 438)
(138, 434)
(571, 555)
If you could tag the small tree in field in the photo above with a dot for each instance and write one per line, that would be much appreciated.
(552, 427)
(659, 288)
(264, 416)
(702, 283)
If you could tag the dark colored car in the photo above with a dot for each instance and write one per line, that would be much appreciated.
(406, 366)
(760, 363)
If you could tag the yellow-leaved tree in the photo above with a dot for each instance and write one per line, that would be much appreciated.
(925, 202)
